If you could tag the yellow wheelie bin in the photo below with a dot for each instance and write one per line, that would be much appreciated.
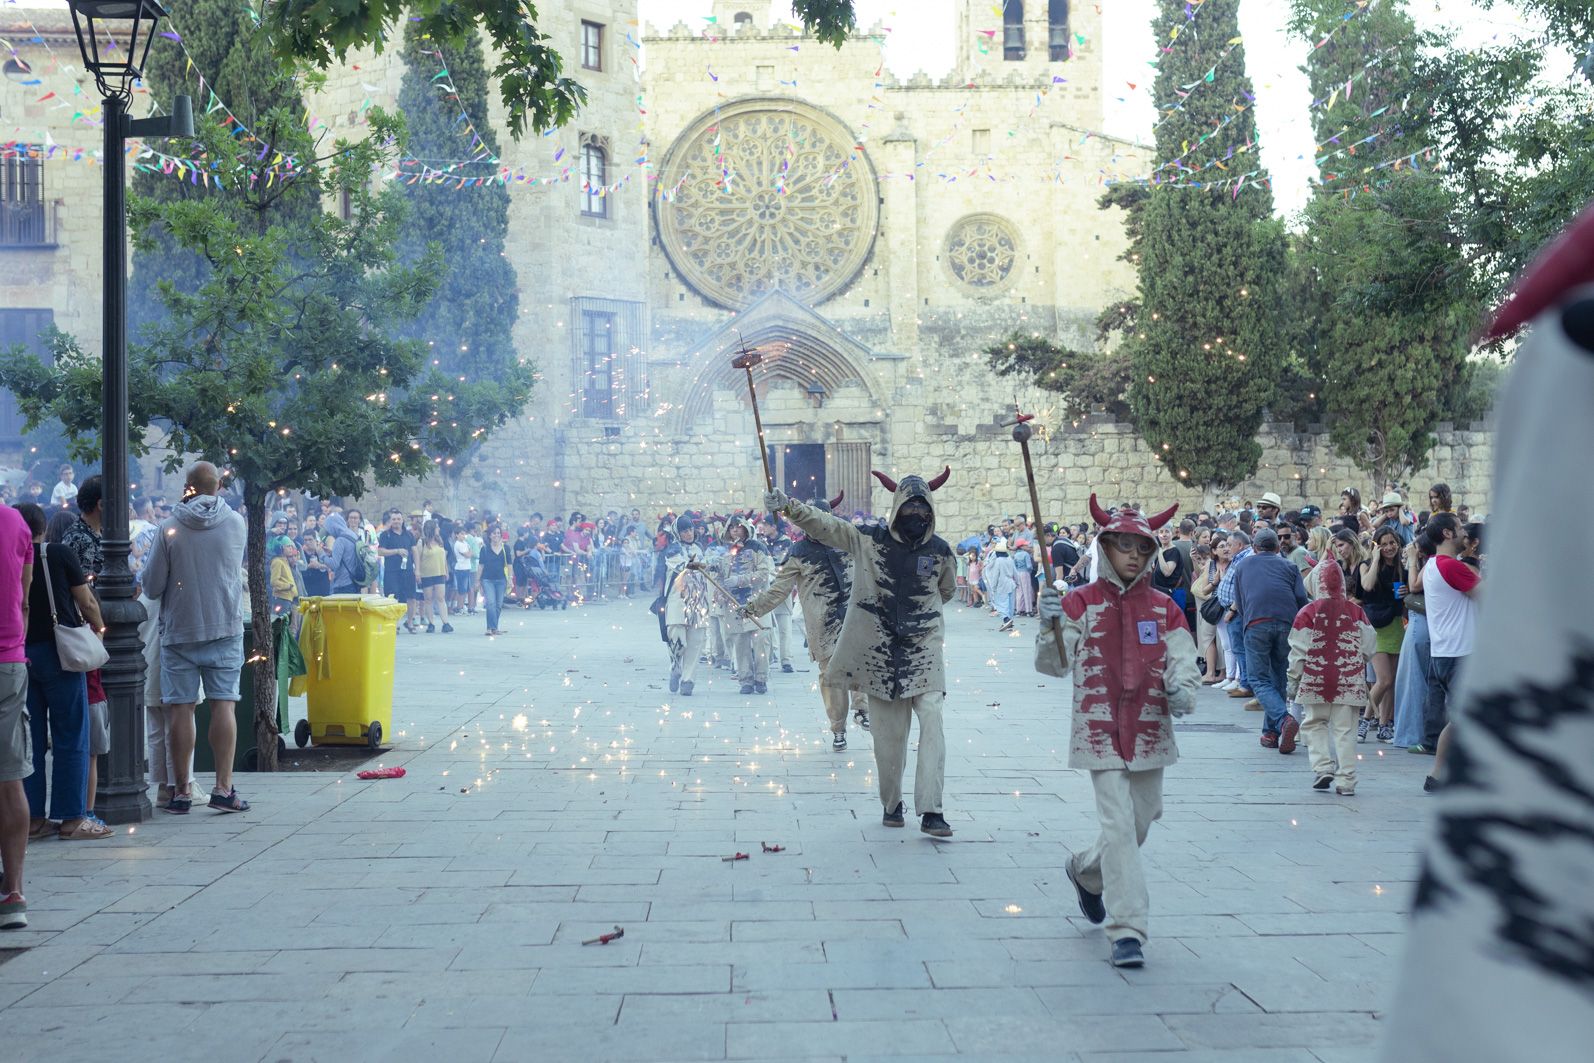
(348, 643)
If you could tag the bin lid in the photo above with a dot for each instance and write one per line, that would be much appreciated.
(355, 603)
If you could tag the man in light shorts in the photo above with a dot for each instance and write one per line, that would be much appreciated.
(195, 572)
(16, 756)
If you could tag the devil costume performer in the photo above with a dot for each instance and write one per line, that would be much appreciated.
(1500, 959)
(1331, 642)
(1129, 652)
(823, 578)
(779, 547)
(745, 570)
(686, 605)
(890, 646)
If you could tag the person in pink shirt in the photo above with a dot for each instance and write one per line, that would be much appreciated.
(16, 758)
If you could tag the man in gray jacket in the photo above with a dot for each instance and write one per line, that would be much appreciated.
(195, 571)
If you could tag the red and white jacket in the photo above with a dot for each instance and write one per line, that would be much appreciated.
(1133, 662)
(1330, 644)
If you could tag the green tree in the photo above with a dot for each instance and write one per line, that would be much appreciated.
(1086, 381)
(1206, 351)
(474, 381)
(529, 72)
(225, 44)
(1385, 298)
(280, 366)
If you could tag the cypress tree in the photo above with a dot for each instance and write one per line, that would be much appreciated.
(476, 380)
(224, 46)
(1206, 349)
(1387, 298)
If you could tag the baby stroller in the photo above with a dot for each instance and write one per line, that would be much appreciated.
(538, 587)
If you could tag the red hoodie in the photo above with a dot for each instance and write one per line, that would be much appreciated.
(1330, 644)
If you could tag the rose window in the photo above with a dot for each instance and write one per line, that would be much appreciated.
(763, 195)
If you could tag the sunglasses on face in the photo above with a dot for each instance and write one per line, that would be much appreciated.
(1126, 543)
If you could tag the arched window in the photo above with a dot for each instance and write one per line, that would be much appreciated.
(1013, 30)
(594, 176)
(1057, 30)
(742, 18)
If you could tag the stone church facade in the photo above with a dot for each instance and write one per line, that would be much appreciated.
(733, 183)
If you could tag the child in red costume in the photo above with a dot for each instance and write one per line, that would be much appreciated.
(1330, 646)
(1129, 651)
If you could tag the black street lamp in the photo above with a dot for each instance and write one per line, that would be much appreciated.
(114, 37)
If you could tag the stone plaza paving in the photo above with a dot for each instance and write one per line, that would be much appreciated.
(556, 789)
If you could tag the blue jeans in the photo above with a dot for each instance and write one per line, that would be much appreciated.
(493, 600)
(59, 700)
(1237, 649)
(1267, 653)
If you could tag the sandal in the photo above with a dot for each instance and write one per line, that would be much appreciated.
(88, 829)
(45, 829)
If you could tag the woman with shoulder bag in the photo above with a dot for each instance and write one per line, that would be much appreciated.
(58, 701)
(1411, 670)
(1210, 613)
(1201, 590)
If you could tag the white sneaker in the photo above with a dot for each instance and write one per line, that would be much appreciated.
(1229, 684)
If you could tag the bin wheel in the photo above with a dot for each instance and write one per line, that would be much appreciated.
(301, 733)
(374, 735)
(251, 761)
(282, 748)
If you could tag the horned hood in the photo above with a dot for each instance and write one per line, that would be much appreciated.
(912, 487)
(1330, 580)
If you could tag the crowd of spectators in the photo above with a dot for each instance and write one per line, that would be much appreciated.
(1414, 572)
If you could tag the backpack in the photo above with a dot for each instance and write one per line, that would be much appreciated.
(361, 570)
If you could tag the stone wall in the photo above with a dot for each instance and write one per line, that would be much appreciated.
(987, 471)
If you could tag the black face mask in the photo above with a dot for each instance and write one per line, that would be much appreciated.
(913, 526)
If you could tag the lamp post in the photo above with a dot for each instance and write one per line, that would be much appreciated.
(114, 37)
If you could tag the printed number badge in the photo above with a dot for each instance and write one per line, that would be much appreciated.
(926, 565)
(1148, 632)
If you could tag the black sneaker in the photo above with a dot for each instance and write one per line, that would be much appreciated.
(787, 668)
(1364, 725)
(1126, 953)
(838, 741)
(1431, 784)
(1323, 782)
(1090, 905)
(862, 718)
(895, 818)
(747, 688)
(760, 688)
(675, 682)
(228, 802)
(431, 629)
(448, 629)
(686, 688)
(933, 824)
(179, 805)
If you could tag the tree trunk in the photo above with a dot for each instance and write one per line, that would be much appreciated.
(1209, 498)
(263, 662)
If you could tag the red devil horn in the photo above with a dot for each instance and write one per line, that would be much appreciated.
(891, 485)
(834, 502)
(939, 480)
(1162, 518)
(1098, 514)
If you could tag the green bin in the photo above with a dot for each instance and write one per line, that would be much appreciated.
(244, 751)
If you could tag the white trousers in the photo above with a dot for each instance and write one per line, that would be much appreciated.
(1330, 733)
(1127, 804)
(752, 656)
(890, 721)
(686, 646)
(780, 650)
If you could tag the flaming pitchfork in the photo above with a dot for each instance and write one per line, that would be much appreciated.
(746, 360)
(1021, 434)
